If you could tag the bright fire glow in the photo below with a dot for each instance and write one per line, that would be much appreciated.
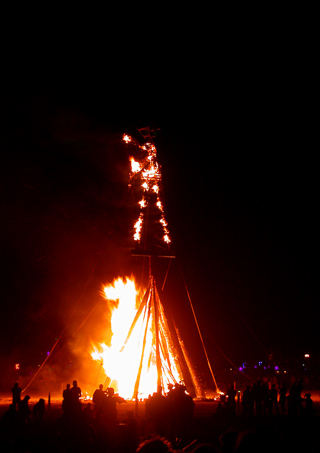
(138, 226)
(148, 170)
(127, 138)
(135, 166)
(122, 358)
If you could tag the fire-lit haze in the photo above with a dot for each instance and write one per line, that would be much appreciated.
(122, 359)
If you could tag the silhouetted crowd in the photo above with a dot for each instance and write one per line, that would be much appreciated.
(260, 400)
(241, 423)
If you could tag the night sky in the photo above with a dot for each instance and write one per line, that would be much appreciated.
(240, 186)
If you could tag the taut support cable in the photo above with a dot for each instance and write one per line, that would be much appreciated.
(200, 335)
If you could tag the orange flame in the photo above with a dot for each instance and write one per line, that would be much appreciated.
(122, 358)
(135, 166)
(148, 170)
(127, 138)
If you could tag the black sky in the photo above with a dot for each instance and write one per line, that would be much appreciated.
(238, 157)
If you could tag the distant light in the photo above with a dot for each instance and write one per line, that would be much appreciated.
(276, 367)
(307, 356)
(48, 352)
(17, 366)
(284, 371)
(255, 366)
(241, 369)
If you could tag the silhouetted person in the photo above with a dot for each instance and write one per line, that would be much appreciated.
(110, 404)
(169, 412)
(76, 395)
(157, 412)
(24, 410)
(184, 407)
(273, 399)
(283, 398)
(155, 444)
(38, 410)
(88, 414)
(67, 402)
(10, 419)
(295, 400)
(221, 410)
(98, 400)
(248, 402)
(131, 433)
(231, 400)
(170, 390)
(9, 429)
(74, 431)
(228, 440)
(265, 398)
(258, 397)
(309, 410)
(299, 398)
(110, 415)
(16, 395)
(250, 441)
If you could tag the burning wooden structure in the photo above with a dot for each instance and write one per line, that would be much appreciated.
(159, 351)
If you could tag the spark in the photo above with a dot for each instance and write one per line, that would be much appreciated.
(135, 166)
(126, 138)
